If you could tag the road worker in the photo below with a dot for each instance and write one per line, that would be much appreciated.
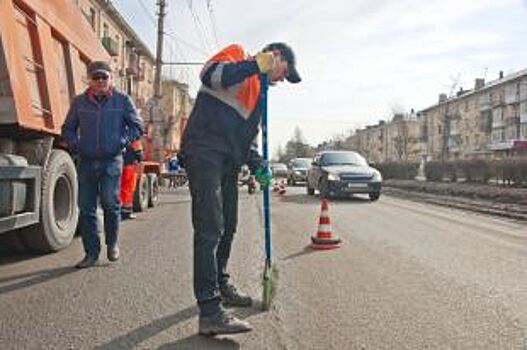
(219, 139)
(131, 157)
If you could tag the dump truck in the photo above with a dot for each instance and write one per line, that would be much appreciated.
(45, 47)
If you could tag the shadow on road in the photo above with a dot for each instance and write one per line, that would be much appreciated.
(139, 335)
(306, 250)
(198, 342)
(33, 278)
(142, 333)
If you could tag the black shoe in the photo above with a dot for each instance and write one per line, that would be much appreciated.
(113, 252)
(128, 216)
(222, 323)
(88, 261)
(231, 297)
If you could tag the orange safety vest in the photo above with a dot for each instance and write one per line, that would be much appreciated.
(243, 97)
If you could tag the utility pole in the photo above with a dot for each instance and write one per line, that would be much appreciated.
(159, 53)
(156, 138)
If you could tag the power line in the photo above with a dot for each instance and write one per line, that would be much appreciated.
(213, 21)
(148, 13)
(194, 47)
(198, 26)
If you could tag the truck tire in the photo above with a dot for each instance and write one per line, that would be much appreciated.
(153, 186)
(58, 206)
(141, 194)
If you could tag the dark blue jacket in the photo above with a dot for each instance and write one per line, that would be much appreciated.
(216, 132)
(101, 129)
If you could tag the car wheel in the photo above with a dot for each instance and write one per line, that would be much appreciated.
(141, 194)
(374, 196)
(153, 187)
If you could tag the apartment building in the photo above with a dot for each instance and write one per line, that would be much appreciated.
(177, 104)
(132, 61)
(396, 140)
(489, 121)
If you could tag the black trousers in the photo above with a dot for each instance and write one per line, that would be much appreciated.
(214, 191)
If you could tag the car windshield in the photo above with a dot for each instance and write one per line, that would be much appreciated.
(301, 163)
(343, 158)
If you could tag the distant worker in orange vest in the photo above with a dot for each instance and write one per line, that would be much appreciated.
(218, 140)
(131, 156)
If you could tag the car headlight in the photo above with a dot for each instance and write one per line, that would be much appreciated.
(377, 176)
(297, 172)
(333, 177)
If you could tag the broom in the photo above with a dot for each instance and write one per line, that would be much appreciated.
(270, 274)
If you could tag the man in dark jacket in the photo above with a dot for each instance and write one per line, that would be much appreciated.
(101, 122)
(217, 142)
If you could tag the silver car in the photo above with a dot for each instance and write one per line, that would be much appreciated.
(298, 170)
(336, 173)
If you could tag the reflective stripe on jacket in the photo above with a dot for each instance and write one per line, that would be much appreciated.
(226, 116)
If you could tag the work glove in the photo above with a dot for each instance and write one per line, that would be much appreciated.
(265, 61)
(264, 176)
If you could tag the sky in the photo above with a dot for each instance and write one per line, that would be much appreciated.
(360, 60)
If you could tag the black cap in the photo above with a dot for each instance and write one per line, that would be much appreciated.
(99, 67)
(289, 56)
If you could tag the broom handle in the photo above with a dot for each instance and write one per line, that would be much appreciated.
(265, 151)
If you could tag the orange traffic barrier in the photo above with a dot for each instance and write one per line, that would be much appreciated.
(324, 238)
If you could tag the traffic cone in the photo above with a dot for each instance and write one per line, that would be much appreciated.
(324, 238)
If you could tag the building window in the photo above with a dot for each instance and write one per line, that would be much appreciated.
(92, 17)
(105, 30)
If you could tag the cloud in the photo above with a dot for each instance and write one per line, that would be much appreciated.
(358, 57)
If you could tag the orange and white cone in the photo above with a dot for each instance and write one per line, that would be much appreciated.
(324, 238)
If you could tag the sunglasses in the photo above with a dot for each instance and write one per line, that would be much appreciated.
(100, 77)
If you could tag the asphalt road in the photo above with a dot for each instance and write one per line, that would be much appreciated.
(407, 276)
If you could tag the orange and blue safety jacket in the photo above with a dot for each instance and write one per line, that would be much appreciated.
(226, 116)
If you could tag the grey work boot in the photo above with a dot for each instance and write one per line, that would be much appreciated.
(231, 297)
(88, 261)
(113, 252)
(222, 323)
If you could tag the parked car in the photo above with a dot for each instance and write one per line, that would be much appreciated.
(279, 170)
(335, 173)
(298, 170)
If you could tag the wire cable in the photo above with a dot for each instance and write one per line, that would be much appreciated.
(213, 21)
(198, 26)
(148, 13)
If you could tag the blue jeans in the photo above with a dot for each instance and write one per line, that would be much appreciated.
(99, 179)
(214, 191)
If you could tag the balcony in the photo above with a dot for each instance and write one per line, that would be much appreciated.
(131, 71)
(111, 45)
